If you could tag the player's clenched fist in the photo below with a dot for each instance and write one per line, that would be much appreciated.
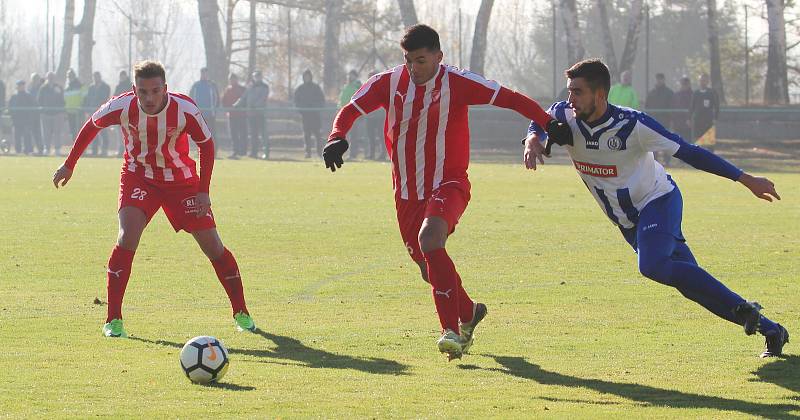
(333, 152)
(62, 176)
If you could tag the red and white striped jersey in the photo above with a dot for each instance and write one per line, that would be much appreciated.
(426, 128)
(156, 146)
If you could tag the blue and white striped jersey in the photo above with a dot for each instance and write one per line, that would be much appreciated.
(614, 157)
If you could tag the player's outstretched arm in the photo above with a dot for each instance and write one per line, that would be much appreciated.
(334, 150)
(85, 136)
(761, 187)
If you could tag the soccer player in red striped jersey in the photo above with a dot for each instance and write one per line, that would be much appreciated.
(158, 173)
(427, 136)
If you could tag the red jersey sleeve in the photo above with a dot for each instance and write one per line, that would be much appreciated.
(198, 130)
(109, 114)
(196, 126)
(372, 95)
(474, 89)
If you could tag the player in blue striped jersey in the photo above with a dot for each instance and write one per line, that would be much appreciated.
(612, 150)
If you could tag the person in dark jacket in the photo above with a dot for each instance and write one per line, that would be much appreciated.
(19, 107)
(705, 111)
(307, 97)
(254, 100)
(33, 88)
(659, 103)
(98, 94)
(51, 98)
(237, 120)
(681, 102)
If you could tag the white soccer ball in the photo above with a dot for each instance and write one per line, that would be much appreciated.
(204, 359)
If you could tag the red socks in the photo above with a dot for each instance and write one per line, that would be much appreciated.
(228, 273)
(452, 301)
(118, 272)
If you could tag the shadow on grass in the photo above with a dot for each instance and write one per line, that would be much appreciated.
(230, 387)
(784, 372)
(648, 395)
(292, 349)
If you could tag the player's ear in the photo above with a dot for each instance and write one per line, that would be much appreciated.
(439, 56)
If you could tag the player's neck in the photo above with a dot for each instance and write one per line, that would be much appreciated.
(599, 112)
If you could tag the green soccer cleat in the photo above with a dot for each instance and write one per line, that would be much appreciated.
(114, 329)
(452, 344)
(468, 328)
(244, 322)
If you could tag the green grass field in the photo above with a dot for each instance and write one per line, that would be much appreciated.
(349, 328)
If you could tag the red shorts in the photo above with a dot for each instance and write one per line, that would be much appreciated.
(177, 201)
(448, 202)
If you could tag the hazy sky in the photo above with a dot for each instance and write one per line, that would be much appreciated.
(29, 15)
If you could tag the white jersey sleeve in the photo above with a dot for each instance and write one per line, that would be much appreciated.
(653, 137)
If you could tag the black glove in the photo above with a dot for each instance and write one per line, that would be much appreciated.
(559, 133)
(333, 152)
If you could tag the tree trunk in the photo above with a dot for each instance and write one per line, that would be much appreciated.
(66, 46)
(208, 11)
(407, 12)
(330, 55)
(575, 49)
(477, 58)
(713, 49)
(251, 51)
(229, 33)
(608, 41)
(632, 37)
(776, 87)
(85, 32)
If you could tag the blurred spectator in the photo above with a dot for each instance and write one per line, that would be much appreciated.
(309, 95)
(255, 100)
(73, 102)
(237, 120)
(124, 83)
(33, 89)
(353, 84)
(682, 102)
(659, 103)
(622, 93)
(51, 97)
(206, 95)
(96, 96)
(2, 94)
(705, 110)
(22, 119)
(376, 149)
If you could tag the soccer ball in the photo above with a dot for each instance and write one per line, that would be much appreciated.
(204, 359)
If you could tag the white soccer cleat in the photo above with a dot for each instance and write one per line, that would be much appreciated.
(452, 344)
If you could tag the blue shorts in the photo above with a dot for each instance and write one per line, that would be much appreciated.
(662, 215)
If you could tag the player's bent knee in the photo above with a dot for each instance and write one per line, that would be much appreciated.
(658, 269)
(432, 236)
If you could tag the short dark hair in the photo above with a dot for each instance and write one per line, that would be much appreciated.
(594, 71)
(148, 69)
(420, 36)
(660, 76)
